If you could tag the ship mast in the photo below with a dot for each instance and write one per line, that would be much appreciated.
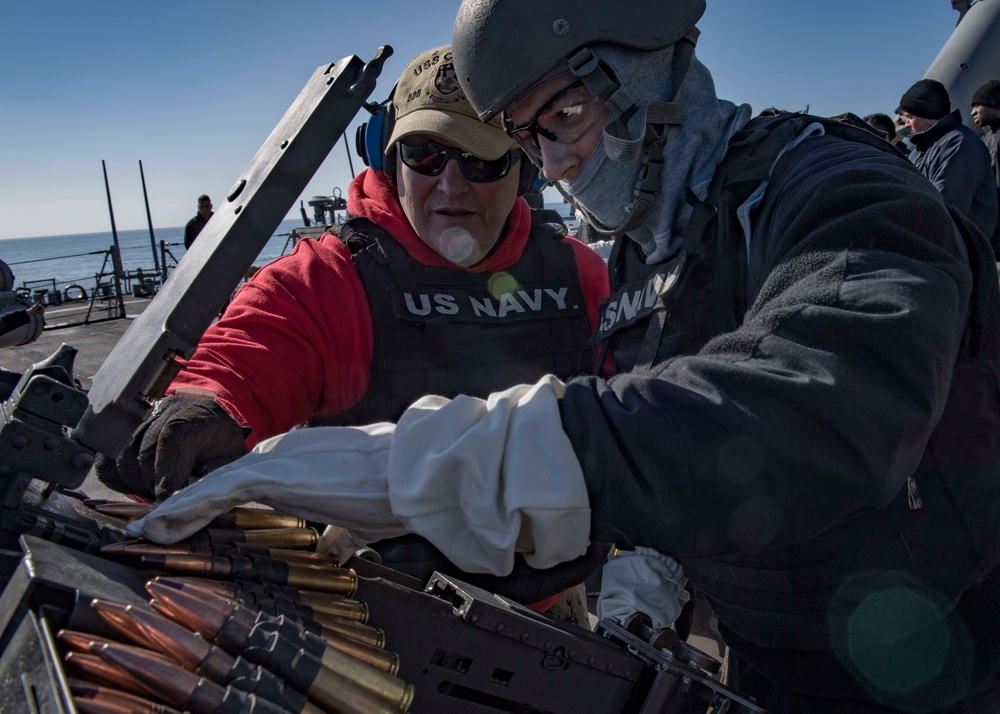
(962, 6)
(971, 56)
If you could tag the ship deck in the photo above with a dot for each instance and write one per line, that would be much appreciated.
(93, 342)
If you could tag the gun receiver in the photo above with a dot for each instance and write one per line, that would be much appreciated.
(684, 681)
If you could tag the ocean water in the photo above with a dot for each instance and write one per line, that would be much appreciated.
(76, 259)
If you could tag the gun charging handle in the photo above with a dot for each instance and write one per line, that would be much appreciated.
(370, 72)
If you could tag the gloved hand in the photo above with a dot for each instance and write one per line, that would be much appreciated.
(183, 439)
(642, 580)
(478, 478)
(309, 473)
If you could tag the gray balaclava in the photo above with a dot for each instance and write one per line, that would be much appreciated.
(603, 188)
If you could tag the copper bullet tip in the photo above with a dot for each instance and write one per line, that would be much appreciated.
(79, 641)
(120, 618)
(193, 564)
(126, 510)
(104, 672)
(121, 546)
(172, 683)
(89, 697)
(146, 548)
(165, 635)
(178, 583)
(195, 612)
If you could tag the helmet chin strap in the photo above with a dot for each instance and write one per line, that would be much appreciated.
(626, 120)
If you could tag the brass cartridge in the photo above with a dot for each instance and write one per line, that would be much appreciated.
(375, 656)
(345, 609)
(209, 566)
(226, 621)
(337, 581)
(340, 581)
(241, 517)
(267, 537)
(256, 518)
(355, 630)
(140, 548)
(311, 557)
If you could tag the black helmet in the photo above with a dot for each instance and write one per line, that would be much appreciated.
(503, 48)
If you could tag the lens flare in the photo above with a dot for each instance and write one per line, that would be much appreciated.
(457, 246)
(887, 618)
(898, 638)
(501, 284)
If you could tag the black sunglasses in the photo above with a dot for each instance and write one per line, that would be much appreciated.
(429, 158)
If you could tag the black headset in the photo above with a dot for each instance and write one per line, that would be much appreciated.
(372, 139)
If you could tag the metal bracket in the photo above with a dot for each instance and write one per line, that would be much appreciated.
(144, 360)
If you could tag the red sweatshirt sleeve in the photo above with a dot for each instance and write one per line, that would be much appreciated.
(296, 341)
(596, 286)
(593, 277)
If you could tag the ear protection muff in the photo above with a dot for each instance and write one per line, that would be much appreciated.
(372, 138)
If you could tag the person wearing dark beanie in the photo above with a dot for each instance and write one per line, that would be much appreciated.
(986, 115)
(988, 95)
(951, 155)
(927, 99)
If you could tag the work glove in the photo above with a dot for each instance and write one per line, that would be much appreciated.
(642, 580)
(480, 479)
(183, 439)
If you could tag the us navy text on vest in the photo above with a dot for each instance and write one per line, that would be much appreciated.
(637, 300)
(464, 304)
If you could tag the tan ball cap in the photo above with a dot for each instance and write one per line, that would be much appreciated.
(429, 100)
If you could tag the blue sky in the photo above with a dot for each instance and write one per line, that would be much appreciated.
(192, 89)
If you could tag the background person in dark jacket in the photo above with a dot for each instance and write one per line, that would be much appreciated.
(194, 226)
(950, 154)
(986, 114)
(885, 124)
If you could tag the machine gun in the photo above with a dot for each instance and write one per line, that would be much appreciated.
(50, 430)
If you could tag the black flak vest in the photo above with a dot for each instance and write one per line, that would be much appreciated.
(448, 332)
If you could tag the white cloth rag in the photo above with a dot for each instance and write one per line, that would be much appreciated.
(481, 479)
